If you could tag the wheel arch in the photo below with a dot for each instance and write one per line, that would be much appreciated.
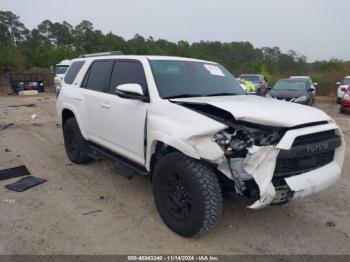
(68, 112)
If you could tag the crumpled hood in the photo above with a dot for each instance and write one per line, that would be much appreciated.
(261, 110)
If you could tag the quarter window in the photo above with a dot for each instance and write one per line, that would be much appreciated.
(72, 72)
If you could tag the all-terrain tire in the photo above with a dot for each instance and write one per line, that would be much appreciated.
(187, 194)
(77, 147)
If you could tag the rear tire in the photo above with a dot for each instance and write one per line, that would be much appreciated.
(187, 194)
(77, 147)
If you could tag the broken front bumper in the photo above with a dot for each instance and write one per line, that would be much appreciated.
(259, 170)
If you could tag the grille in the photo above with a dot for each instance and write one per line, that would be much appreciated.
(314, 138)
(286, 166)
(295, 166)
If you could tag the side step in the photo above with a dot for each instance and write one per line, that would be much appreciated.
(124, 166)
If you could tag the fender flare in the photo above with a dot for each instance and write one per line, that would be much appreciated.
(178, 144)
(77, 117)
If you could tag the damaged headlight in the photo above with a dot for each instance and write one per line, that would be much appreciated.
(236, 140)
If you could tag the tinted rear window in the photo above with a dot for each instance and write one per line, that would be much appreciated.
(72, 72)
(98, 76)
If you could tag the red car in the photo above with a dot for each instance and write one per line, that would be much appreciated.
(345, 102)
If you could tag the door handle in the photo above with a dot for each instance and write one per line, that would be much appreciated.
(105, 105)
(78, 98)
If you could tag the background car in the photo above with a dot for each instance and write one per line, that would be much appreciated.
(345, 102)
(342, 88)
(60, 71)
(259, 81)
(295, 90)
(308, 78)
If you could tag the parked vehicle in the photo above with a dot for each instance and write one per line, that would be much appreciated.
(311, 82)
(60, 71)
(189, 126)
(259, 81)
(345, 102)
(247, 86)
(21, 81)
(342, 88)
(295, 90)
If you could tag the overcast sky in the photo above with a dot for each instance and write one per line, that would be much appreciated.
(319, 29)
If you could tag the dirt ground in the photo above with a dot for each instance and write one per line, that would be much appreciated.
(49, 218)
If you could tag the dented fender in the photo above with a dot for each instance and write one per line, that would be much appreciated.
(187, 131)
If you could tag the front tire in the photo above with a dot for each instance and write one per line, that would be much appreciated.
(187, 194)
(77, 147)
(338, 100)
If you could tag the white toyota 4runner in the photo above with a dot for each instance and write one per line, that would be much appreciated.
(189, 126)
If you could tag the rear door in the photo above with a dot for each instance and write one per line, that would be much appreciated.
(95, 84)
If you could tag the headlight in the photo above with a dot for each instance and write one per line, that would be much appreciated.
(346, 96)
(236, 140)
(301, 99)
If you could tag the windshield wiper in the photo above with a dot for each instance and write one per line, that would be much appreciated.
(182, 96)
(222, 94)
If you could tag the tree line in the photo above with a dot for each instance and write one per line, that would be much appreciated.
(51, 42)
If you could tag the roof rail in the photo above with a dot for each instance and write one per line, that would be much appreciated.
(102, 54)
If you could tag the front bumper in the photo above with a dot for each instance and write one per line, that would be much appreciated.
(265, 187)
(345, 105)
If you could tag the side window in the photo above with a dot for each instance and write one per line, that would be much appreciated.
(97, 77)
(72, 72)
(128, 72)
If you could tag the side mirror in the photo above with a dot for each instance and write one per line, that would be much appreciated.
(131, 91)
(338, 83)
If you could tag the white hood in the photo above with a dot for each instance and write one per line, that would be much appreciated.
(261, 110)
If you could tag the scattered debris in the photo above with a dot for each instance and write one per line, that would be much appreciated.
(4, 125)
(37, 124)
(33, 116)
(7, 150)
(102, 197)
(58, 125)
(26, 105)
(28, 92)
(25, 183)
(92, 212)
(14, 172)
(18, 156)
(9, 200)
(330, 224)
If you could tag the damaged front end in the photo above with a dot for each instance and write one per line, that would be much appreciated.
(250, 158)
(271, 161)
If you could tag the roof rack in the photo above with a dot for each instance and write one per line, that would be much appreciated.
(102, 54)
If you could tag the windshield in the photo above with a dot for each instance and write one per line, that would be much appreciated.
(346, 81)
(254, 79)
(61, 69)
(290, 85)
(190, 79)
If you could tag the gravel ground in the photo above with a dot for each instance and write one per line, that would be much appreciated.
(49, 218)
